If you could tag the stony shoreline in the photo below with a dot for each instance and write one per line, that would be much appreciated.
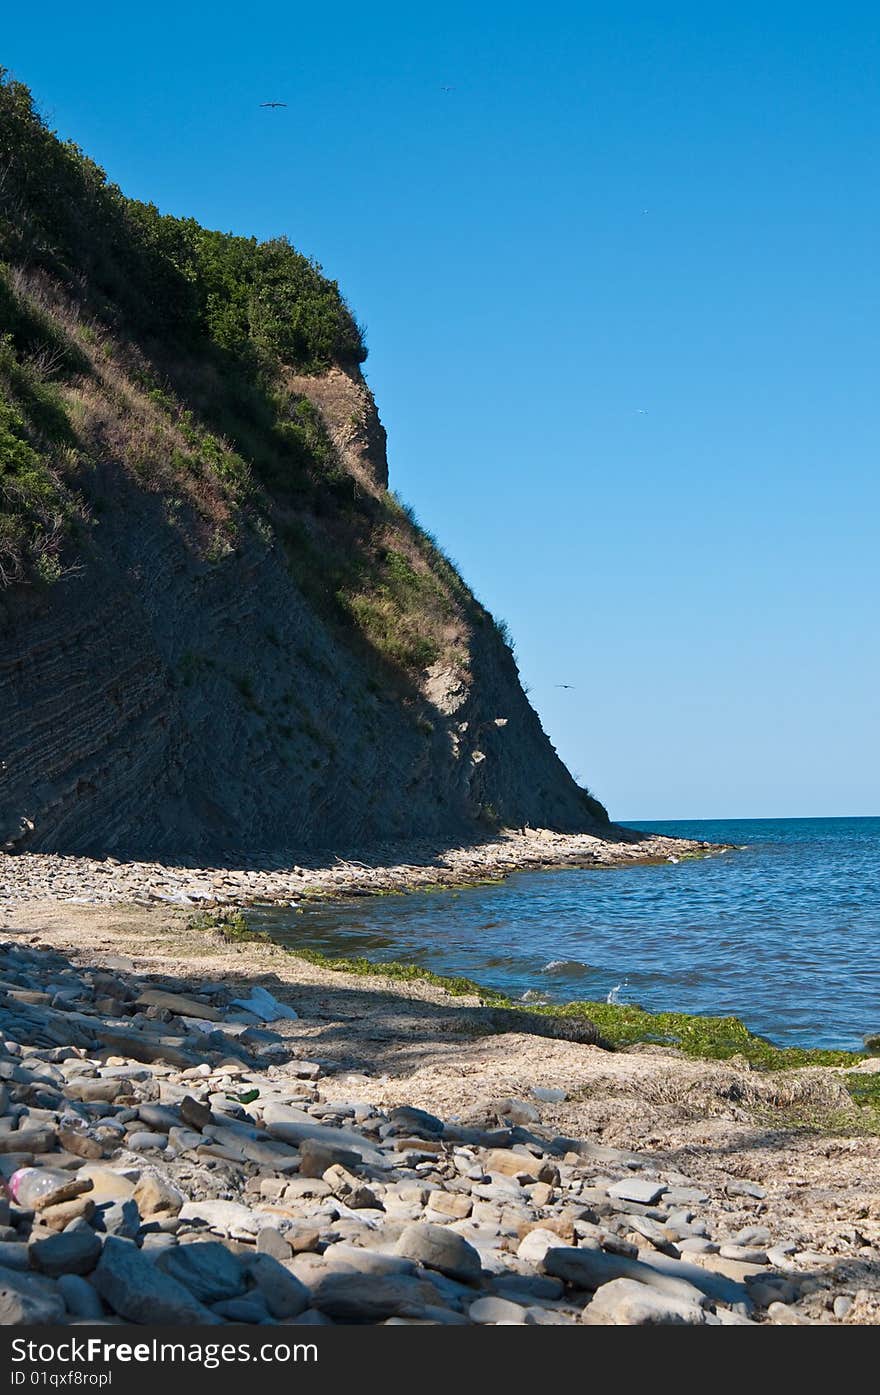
(325, 1150)
(286, 877)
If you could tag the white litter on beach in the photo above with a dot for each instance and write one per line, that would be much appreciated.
(262, 1004)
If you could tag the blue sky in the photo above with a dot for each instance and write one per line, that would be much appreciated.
(621, 292)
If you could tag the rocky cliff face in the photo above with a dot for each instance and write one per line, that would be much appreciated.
(155, 703)
(218, 631)
(348, 413)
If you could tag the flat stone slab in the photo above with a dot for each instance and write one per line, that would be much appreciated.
(590, 1269)
(637, 1189)
(179, 1004)
(294, 1126)
(225, 1216)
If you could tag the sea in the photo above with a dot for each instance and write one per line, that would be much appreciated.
(783, 930)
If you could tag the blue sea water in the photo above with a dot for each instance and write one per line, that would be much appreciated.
(784, 932)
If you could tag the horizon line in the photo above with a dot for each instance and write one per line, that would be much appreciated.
(745, 818)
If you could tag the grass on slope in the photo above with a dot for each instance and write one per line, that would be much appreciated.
(163, 348)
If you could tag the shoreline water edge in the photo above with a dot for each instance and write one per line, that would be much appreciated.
(225, 893)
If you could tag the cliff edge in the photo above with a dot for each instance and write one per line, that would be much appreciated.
(218, 630)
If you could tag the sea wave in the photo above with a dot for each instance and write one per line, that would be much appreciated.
(572, 968)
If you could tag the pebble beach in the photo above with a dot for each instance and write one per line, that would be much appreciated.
(193, 1132)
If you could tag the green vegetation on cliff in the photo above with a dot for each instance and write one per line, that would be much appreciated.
(127, 331)
(167, 277)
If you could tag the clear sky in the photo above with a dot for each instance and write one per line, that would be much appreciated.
(621, 291)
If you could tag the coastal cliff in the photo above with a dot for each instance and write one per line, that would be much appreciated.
(218, 629)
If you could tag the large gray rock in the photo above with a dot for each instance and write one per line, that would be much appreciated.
(282, 1292)
(527, 1288)
(28, 1300)
(158, 1117)
(722, 1280)
(316, 1157)
(135, 1289)
(249, 1309)
(38, 1140)
(143, 1046)
(181, 1005)
(590, 1269)
(372, 1297)
(121, 1218)
(627, 1303)
(438, 1247)
(416, 1121)
(81, 1299)
(206, 1268)
(69, 1252)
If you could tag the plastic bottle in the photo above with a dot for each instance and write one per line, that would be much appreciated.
(28, 1184)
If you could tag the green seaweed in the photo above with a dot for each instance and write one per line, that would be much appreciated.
(230, 925)
(711, 1038)
(409, 973)
(621, 1025)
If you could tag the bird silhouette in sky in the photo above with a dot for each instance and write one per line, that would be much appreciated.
(273, 104)
(447, 89)
(563, 685)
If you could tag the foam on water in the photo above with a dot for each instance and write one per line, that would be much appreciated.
(572, 968)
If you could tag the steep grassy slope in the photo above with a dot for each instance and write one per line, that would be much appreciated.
(218, 630)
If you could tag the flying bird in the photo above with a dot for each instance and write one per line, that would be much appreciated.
(273, 104)
(447, 89)
(563, 685)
